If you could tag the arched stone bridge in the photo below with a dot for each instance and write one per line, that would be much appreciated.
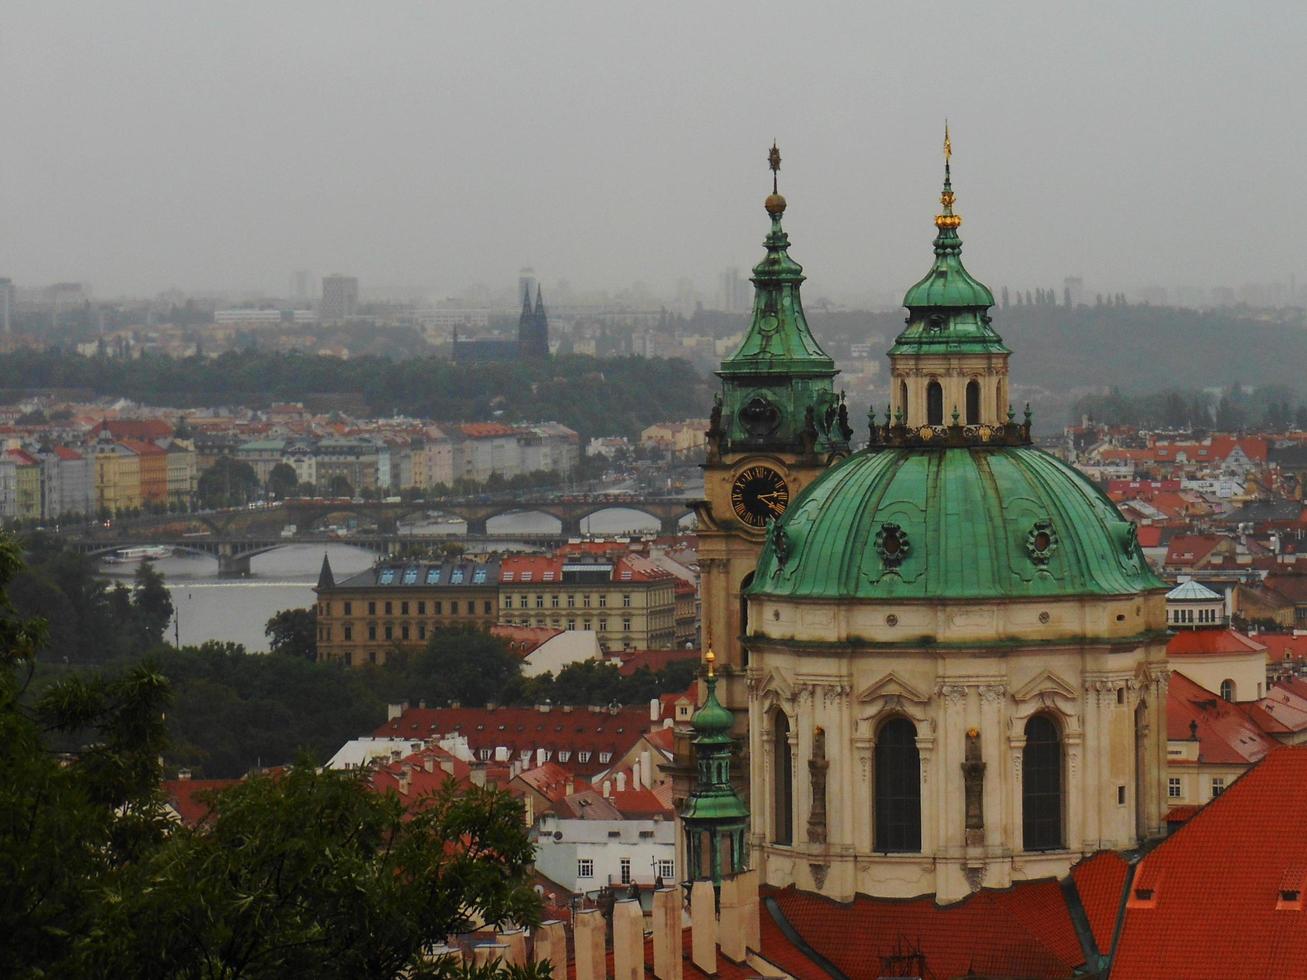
(569, 511)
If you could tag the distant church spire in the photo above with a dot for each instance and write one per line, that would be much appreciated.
(526, 302)
(533, 326)
(540, 302)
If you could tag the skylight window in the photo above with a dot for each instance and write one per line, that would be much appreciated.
(479, 577)
(526, 576)
(456, 577)
(410, 576)
(387, 576)
(433, 576)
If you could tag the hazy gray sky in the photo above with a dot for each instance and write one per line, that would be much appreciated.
(147, 145)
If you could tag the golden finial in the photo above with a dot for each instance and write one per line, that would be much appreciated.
(775, 204)
(710, 658)
(947, 220)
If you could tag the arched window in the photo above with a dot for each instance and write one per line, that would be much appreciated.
(782, 781)
(973, 402)
(934, 403)
(1227, 689)
(898, 787)
(903, 399)
(1041, 786)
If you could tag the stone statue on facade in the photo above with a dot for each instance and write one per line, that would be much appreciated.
(817, 767)
(973, 777)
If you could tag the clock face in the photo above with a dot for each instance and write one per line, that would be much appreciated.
(758, 495)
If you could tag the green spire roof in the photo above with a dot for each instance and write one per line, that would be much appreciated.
(713, 805)
(947, 309)
(778, 340)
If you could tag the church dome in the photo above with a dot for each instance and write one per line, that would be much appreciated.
(1007, 522)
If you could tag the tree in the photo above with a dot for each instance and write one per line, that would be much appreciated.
(339, 486)
(282, 480)
(465, 665)
(294, 633)
(227, 483)
(152, 603)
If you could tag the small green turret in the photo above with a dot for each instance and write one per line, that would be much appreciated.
(714, 812)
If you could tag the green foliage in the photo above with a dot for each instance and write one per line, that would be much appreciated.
(311, 873)
(227, 483)
(304, 873)
(151, 603)
(282, 480)
(294, 633)
(611, 396)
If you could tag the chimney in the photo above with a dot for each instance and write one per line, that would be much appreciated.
(570, 786)
(655, 709)
(628, 940)
(395, 709)
(447, 766)
(621, 782)
(588, 928)
(646, 768)
(540, 757)
(483, 954)
(703, 927)
(422, 704)
(183, 774)
(428, 763)
(550, 944)
(608, 788)
(478, 775)
(667, 935)
(405, 779)
(515, 941)
(637, 777)
(501, 753)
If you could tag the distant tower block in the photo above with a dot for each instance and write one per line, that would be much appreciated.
(340, 298)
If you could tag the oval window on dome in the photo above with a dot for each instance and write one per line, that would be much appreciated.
(1041, 542)
(892, 545)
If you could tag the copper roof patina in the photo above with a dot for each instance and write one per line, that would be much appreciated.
(980, 523)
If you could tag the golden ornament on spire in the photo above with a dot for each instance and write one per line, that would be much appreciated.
(775, 204)
(947, 221)
(710, 659)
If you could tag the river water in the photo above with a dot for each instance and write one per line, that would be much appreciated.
(213, 608)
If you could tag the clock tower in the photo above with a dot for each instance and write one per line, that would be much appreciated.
(776, 425)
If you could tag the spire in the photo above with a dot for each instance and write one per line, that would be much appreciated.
(714, 810)
(947, 222)
(540, 303)
(326, 580)
(526, 302)
(778, 340)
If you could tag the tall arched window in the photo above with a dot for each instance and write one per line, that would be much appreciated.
(1041, 786)
(934, 404)
(898, 787)
(782, 781)
(744, 618)
(973, 402)
(1227, 689)
(903, 399)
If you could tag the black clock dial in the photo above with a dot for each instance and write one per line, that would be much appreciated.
(758, 495)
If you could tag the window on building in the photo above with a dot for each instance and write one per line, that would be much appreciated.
(626, 600)
(553, 602)
(453, 607)
(372, 631)
(973, 402)
(508, 602)
(403, 632)
(626, 624)
(571, 624)
(540, 602)
(438, 607)
(782, 781)
(603, 600)
(898, 787)
(422, 607)
(934, 403)
(583, 757)
(403, 608)
(1218, 786)
(585, 868)
(390, 632)
(349, 631)
(585, 600)
(484, 754)
(1173, 788)
(624, 871)
(1227, 689)
(587, 624)
(372, 608)
(605, 758)
(564, 755)
(422, 631)
(571, 601)
(349, 608)
(487, 607)
(603, 625)
(1041, 786)
(372, 656)
(666, 870)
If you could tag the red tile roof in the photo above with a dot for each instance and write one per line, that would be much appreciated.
(549, 780)
(1186, 549)
(63, 452)
(183, 796)
(1283, 646)
(580, 732)
(524, 640)
(1226, 734)
(1100, 882)
(1211, 643)
(145, 429)
(1284, 709)
(1292, 587)
(1217, 882)
(1025, 931)
(629, 661)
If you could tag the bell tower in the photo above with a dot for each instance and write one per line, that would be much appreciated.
(776, 425)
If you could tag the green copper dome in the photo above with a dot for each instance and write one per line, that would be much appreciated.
(975, 523)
